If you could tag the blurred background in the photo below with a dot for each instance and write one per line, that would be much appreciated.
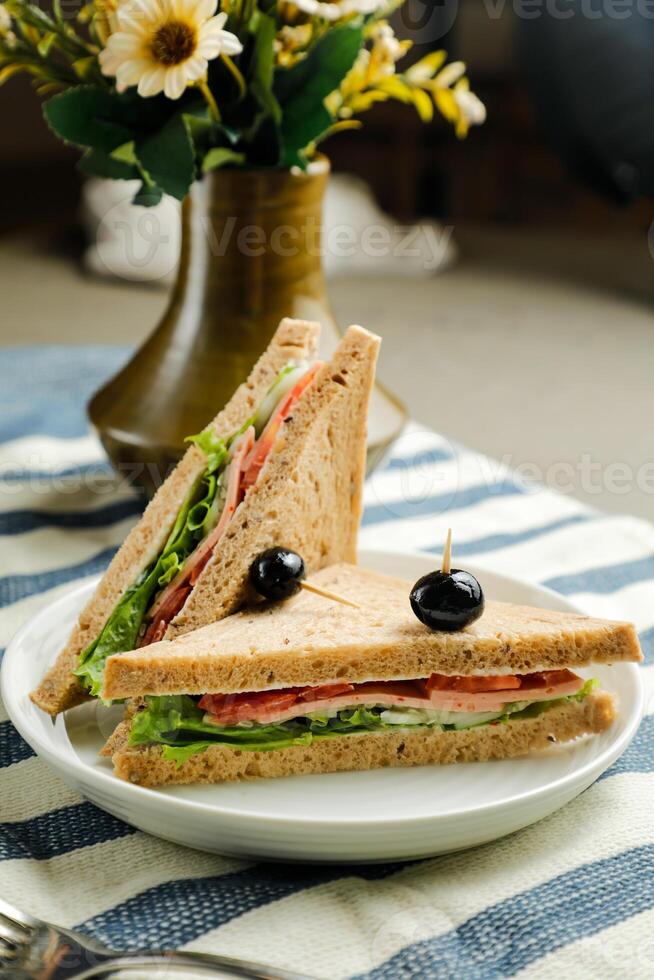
(533, 343)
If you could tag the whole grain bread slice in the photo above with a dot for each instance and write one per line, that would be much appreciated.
(309, 494)
(60, 689)
(147, 766)
(309, 640)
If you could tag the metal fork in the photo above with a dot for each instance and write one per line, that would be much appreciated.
(34, 950)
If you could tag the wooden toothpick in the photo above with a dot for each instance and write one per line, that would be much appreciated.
(309, 587)
(446, 565)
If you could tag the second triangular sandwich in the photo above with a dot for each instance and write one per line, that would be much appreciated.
(310, 685)
(284, 461)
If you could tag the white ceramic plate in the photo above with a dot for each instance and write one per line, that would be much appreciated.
(386, 815)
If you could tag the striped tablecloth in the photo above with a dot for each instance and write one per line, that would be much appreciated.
(572, 896)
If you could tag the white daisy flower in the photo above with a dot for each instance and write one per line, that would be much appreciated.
(165, 45)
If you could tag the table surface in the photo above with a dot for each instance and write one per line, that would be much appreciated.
(533, 345)
(570, 896)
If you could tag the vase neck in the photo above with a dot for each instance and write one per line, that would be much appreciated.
(253, 228)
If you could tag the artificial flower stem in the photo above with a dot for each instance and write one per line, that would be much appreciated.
(209, 99)
(236, 74)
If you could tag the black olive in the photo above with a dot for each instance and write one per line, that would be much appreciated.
(276, 573)
(447, 600)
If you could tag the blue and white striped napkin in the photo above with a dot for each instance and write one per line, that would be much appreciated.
(572, 896)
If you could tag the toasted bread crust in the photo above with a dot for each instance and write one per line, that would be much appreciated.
(146, 766)
(60, 689)
(309, 640)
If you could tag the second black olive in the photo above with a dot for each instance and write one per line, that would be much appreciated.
(447, 600)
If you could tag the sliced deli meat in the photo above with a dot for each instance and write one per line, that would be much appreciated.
(436, 693)
(543, 686)
(260, 451)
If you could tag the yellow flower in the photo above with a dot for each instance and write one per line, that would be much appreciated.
(450, 90)
(104, 19)
(5, 20)
(7, 35)
(290, 42)
(386, 50)
(165, 45)
(472, 111)
(372, 77)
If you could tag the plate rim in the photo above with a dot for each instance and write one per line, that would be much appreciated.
(126, 792)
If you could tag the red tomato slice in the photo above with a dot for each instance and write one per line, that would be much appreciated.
(473, 685)
(547, 678)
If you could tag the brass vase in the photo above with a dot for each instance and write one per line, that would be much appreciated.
(250, 255)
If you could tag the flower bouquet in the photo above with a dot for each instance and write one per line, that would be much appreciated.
(222, 104)
(166, 91)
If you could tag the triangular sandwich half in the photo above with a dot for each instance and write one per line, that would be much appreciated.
(285, 460)
(313, 686)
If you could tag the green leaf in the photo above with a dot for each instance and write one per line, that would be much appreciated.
(214, 448)
(302, 89)
(88, 116)
(121, 631)
(126, 154)
(98, 164)
(200, 126)
(169, 566)
(220, 156)
(206, 134)
(168, 157)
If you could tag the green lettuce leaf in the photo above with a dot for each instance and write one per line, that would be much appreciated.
(214, 448)
(121, 631)
(170, 565)
(182, 753)
(537, 708)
